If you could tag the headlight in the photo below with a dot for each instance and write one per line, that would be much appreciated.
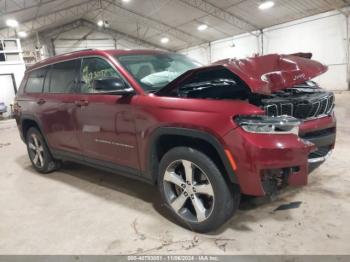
(269, 124)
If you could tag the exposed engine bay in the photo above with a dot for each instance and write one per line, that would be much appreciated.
(304, 101)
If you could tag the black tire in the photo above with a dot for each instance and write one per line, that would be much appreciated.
(225, 196)
(46, 163)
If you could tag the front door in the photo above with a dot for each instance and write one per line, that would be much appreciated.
(105, 121)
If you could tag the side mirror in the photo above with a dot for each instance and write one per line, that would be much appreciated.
(111, 85)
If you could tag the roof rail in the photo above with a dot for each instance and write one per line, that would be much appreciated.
(87, 49)
(49, 58)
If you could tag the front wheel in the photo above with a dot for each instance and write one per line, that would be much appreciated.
(194, 189)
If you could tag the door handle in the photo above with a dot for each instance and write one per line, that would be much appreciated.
(84, 102)
(81, 102)
(41, 101)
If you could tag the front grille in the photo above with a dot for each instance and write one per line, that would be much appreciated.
(314, 107)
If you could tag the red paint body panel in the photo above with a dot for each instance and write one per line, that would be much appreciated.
(264, 151)
(133, 120)
(270, 73)
(213, 117)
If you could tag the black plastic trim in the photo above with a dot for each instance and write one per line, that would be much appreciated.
(324, 140)
(100, 164)
(193, 133)
(24, 117)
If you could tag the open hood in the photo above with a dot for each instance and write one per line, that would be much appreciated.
(263, 74)
(270, 73)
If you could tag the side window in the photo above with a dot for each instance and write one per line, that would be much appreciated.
(35, 81)
(62, 77)
(95, 68)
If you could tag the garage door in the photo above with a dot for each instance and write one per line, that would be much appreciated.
(7, 91)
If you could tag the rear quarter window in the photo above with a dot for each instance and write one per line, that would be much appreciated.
(35, 81)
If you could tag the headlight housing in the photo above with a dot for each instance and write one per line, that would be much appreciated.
(269, 124)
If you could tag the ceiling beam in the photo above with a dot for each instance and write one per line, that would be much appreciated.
(53, 33)
(25, 7)
(221, 14)
(116, 8)
(119, 36)
(74, 11)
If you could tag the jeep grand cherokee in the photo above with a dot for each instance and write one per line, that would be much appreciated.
(203, 135)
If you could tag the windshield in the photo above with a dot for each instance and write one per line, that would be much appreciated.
(154, 71)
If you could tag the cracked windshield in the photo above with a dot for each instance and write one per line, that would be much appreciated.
(155, 71)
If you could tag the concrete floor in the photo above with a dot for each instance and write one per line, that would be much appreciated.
(79, 210)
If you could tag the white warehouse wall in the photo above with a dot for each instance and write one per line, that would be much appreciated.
(233, 47)
(13, 66)
(324, 35)
(7, 92)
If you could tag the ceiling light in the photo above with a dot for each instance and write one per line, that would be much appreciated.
(164, 40)
(125, 1)
(266, 5)
(22, 34)
(202, 27)
(11, 23)
(100, 23)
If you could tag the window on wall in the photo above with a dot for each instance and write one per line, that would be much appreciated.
(63, 77)
(35, 81)
(2, 55)
(10, 50)
(95, 68)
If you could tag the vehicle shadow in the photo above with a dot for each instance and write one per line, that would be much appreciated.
(76, 175)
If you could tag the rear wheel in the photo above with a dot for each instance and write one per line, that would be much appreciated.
(194, 189)
(39, 153)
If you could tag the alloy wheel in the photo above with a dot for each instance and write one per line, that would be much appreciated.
(188, 191)
(36, 151)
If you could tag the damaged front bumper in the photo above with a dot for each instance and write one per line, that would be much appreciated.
(268, 162)
(320, 158)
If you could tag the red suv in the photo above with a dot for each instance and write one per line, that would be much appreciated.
(204, 135)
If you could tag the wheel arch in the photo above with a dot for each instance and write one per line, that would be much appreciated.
(28, 121)
(177, 136)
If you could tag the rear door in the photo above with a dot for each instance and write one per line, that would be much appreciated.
(105, 122)
(58, 107)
